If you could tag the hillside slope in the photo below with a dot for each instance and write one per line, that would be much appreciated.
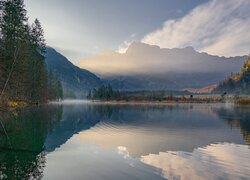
(237, 83)
(76, 82)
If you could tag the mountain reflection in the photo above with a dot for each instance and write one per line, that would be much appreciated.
(22, 141)
(183, 141)
(153, 129)
(166, 137)
(146, 129)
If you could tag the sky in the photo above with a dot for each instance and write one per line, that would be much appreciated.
(83, 28)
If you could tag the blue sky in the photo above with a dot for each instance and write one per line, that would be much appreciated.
(83, 28)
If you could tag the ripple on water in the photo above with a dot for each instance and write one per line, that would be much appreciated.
(216, 161)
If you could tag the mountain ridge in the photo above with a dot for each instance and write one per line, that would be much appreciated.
(76, 81)
(149, 67)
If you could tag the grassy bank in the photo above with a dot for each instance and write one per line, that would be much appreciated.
(14, 104)
(243, 102)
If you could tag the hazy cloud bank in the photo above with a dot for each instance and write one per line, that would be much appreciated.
(142, 58)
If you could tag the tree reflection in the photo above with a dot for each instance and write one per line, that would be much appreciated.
(237, 117)
(22, 138)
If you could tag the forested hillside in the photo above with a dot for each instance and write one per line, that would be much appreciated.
(23, 74)
(76, 82)
(237, 83)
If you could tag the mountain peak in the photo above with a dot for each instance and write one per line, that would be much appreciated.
(150, 67)
(189, 48)
(140, 47)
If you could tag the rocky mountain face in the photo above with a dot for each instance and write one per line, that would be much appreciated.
(146, 67)
(143, 67)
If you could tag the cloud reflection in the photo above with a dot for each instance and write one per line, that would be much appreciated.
(216, 161)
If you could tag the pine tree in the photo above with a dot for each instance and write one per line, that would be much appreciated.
(39, 74)
(14, 32)
(22, 57)
(37, 35)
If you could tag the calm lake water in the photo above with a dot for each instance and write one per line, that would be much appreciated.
(115, 142)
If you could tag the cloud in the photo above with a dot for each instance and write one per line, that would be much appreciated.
(210, 162)
(124, 46)
(219, 27)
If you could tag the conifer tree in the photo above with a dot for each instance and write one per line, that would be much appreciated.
(37, 36)
(39, 74)
(14, 32)
(22, 57)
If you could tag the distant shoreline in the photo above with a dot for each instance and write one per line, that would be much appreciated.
(206, 100)
(168, 100)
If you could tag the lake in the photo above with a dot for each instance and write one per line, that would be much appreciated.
(83, 140)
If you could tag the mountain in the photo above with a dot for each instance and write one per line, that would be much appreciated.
(76, 82)
(207, 89)
(237, 83)
(74, 120)
(147, 67)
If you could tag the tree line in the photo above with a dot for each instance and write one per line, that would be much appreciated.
(23, 73)
(237, 83)
(107, 93)
(104, 93)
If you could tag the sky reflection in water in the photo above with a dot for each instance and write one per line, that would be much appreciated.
(94, 141)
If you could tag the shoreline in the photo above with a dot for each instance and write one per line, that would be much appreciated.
(179, 101)
(174, 100)
(83, 101)
(15, 104)
(23, 104)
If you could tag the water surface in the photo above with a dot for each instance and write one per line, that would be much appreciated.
(115, 141)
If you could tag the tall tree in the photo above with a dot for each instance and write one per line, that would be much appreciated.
(37, 36)
(39, 74)
(14, 33)
(22, 66)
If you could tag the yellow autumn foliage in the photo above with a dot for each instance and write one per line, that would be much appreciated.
(16, 104)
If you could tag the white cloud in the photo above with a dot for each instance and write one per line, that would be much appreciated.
(219, 27)
(210, 162)
(124, 46)
(123, 151)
